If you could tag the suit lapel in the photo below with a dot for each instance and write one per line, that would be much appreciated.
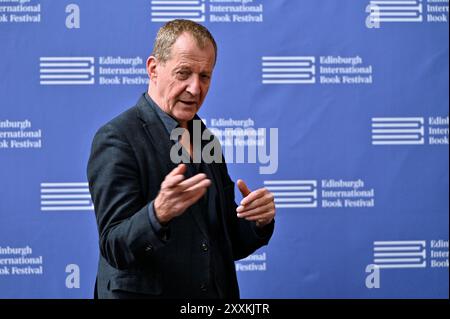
(157, 133)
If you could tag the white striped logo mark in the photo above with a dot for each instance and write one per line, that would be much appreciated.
(166, 10)
(66, 70)
(396, 11)
(398, 130)
(65, 197)
(288, 70)
(293, 193)
(400, 254)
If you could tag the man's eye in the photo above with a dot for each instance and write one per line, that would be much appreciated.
(183, 74)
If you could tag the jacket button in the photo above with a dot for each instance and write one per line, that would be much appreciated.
(203, 287)
(149, 248)
(204, 247)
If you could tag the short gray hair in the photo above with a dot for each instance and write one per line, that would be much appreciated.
(169, 33)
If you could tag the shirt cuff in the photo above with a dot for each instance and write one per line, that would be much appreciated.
(161, 231)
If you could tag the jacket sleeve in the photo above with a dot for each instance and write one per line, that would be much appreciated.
(245, 236)
(125, 229)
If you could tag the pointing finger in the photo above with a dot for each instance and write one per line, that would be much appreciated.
(253, 196)
(192, 181)
(180, 169)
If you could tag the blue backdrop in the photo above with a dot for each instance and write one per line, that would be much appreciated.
(356, 95)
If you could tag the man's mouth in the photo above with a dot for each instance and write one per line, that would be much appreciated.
(189, 102)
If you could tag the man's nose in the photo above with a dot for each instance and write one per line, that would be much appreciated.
(194, 85)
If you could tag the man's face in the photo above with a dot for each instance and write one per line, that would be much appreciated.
(182, 82)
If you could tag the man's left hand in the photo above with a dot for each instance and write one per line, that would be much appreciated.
(258, 206)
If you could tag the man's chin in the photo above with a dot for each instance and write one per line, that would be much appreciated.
(185, 112)
(184, 116)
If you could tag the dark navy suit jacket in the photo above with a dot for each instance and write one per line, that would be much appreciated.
(130, 158)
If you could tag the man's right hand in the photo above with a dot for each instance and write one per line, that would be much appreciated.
(177, 193)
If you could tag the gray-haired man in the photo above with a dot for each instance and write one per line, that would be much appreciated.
(170, 230)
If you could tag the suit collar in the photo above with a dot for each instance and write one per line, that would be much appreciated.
(155, 129)
(168, 121)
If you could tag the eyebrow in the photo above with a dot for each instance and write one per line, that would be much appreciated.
(182, 67)
(185, 67)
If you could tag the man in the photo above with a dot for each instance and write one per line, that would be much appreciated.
(168, 230)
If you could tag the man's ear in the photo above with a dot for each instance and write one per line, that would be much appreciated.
(151, 68)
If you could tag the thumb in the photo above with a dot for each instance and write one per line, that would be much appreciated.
(243, 188)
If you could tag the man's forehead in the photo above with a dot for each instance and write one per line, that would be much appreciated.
(196, 65)
(187, 58)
